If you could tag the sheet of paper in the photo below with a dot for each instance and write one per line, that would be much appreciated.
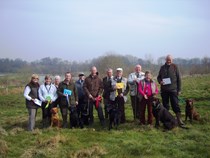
(166, 81)
(38, 102)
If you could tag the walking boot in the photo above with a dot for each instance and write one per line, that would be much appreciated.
(180, 122)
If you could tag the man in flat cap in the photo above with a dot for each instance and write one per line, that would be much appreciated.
(81, 97)
(120, 89)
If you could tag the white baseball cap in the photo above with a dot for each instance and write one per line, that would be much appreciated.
(119, 69)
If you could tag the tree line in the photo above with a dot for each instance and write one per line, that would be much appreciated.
(127, 62)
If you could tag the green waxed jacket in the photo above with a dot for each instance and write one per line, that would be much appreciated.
(63, 99)
(172, 72)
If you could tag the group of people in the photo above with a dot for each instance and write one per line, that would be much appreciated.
(87, 92)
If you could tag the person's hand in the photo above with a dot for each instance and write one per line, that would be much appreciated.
(32, 99)
(161, 83)
(145, 96)
(121, 95)
(76, 102)
(90, 96)
(65, 95)
(179, 93)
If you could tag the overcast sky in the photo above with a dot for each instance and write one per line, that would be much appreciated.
(85, 29)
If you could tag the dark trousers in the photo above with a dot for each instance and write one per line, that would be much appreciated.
(99, 110)
(64, 113)
(46, 115)
(106, 105)
(119, 101)
(173, 99)
(80, 111)
(146, 103)
(135, 103)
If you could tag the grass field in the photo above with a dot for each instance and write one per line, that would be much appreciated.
(130, 140)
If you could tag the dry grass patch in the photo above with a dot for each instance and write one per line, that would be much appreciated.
(3, 132)
(95, 151)
(16, 130)
(3, 148)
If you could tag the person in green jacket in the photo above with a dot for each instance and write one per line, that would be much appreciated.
(68, 96)
(169, 79)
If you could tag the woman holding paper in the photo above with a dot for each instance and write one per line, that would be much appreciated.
(32, 102)
(68, 96)
(48, 96)
(147, 88)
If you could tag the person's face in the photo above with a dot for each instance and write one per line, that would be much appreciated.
(119, 73)
(93, 71)
(168, 60)
(109, 73)
(82, 77)
(35, 80)
(148, 76)
(138, 69)
(68, 77)
(48, 81)
(57, 81)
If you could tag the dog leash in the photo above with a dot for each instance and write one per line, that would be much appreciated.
(181, 100)
(98, 99)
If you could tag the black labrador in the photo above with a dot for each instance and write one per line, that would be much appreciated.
(161, 114)
(114, 116)
(74, 120)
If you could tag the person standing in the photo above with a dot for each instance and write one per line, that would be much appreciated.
(68, 95)
(133, 81)
(31, 96)
(48, 96)
(93, 88)
(107, 89)
(148, 89)
(57, 81)
(81, 98)
(170, 81)
(119, 91)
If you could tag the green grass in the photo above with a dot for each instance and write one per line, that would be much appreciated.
(130, 140)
